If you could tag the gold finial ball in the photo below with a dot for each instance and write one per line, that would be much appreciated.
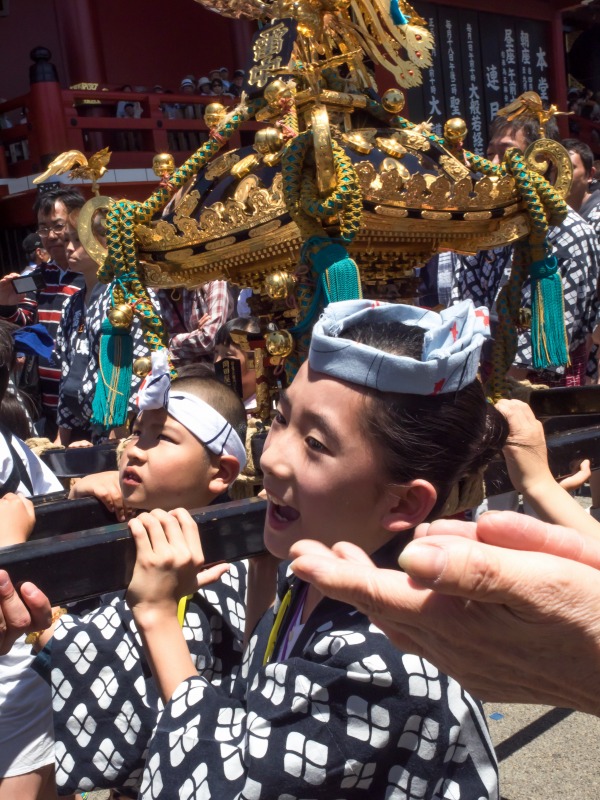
(279, 343)
(277, 90)
(393, 101)
(142, 366)
(163, 164)
(214, 114)
(120, 316)
(455, 130)
(279, 284)
(268, 140)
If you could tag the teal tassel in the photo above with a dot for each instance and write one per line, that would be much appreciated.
(397, 15)
(548, 335)
(113, 384)
(339, 273)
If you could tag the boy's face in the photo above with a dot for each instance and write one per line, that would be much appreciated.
(164, 465)
(322, 477)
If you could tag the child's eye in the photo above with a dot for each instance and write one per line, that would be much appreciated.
(279, 418)
(166, 438)
(315, 444)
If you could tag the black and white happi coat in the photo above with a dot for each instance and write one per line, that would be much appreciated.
(104, 698)
(344, 716)
(575, 245)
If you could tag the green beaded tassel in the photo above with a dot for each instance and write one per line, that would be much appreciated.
(548, 336)
(339, 273)
(113, 385)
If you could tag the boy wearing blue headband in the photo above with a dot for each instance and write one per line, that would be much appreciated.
(371, 438)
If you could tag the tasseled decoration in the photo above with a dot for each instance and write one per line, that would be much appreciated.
(339, 273)
(396, 13)
(113, 384)
(548, 335)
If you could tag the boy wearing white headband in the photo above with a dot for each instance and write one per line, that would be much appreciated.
(195, 420)
(184, 452)
(369, 441)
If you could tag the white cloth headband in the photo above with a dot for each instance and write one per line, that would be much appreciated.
(451, 347)
(200, 418)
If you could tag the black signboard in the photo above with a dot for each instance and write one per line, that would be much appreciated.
(270, 54)
(481, 63)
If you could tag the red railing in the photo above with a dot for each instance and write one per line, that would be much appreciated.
(59, 120)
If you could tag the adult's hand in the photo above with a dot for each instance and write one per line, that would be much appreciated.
(21, 614)
(509, 624)
(8, 296)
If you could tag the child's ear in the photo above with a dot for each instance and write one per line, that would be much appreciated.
(408, 505)
(228, 468)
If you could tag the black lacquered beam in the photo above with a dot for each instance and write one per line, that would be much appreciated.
(76, 566)
(564, 401)
(66, 516)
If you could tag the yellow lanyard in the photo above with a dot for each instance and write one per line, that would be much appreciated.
(285, 604)
(182, 608)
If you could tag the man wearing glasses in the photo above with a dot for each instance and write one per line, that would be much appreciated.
(57, 284)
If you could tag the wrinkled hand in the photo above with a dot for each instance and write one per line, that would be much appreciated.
(18, 518)
(169, 560)
(515, 625)
(105, 486)
(525, 452)
(21, 614)
(8, 296)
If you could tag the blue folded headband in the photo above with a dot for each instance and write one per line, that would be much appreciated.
(451, 347)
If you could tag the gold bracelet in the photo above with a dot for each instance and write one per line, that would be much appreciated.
(33, 637)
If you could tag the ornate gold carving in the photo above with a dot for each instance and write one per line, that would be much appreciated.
(251, 205)
(413, 140)
(358, 141)
(323, 150)
(436, 215)
(219, 166)
(218, 245)
(85, 228)
(454, 168)
(391, 146)
(477, 215)
(268, 227)
(245, 166)
(542, 151)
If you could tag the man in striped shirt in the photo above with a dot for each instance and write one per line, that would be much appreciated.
(46, 304)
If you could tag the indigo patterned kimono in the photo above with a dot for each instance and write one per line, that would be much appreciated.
(345, 715)
(105, 701)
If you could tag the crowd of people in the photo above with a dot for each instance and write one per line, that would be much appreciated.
(335, 675)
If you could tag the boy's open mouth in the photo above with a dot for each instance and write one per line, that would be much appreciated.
(281, 512)
(284, 513)
(131, 477)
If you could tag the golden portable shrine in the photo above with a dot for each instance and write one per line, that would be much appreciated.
(339, 197)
